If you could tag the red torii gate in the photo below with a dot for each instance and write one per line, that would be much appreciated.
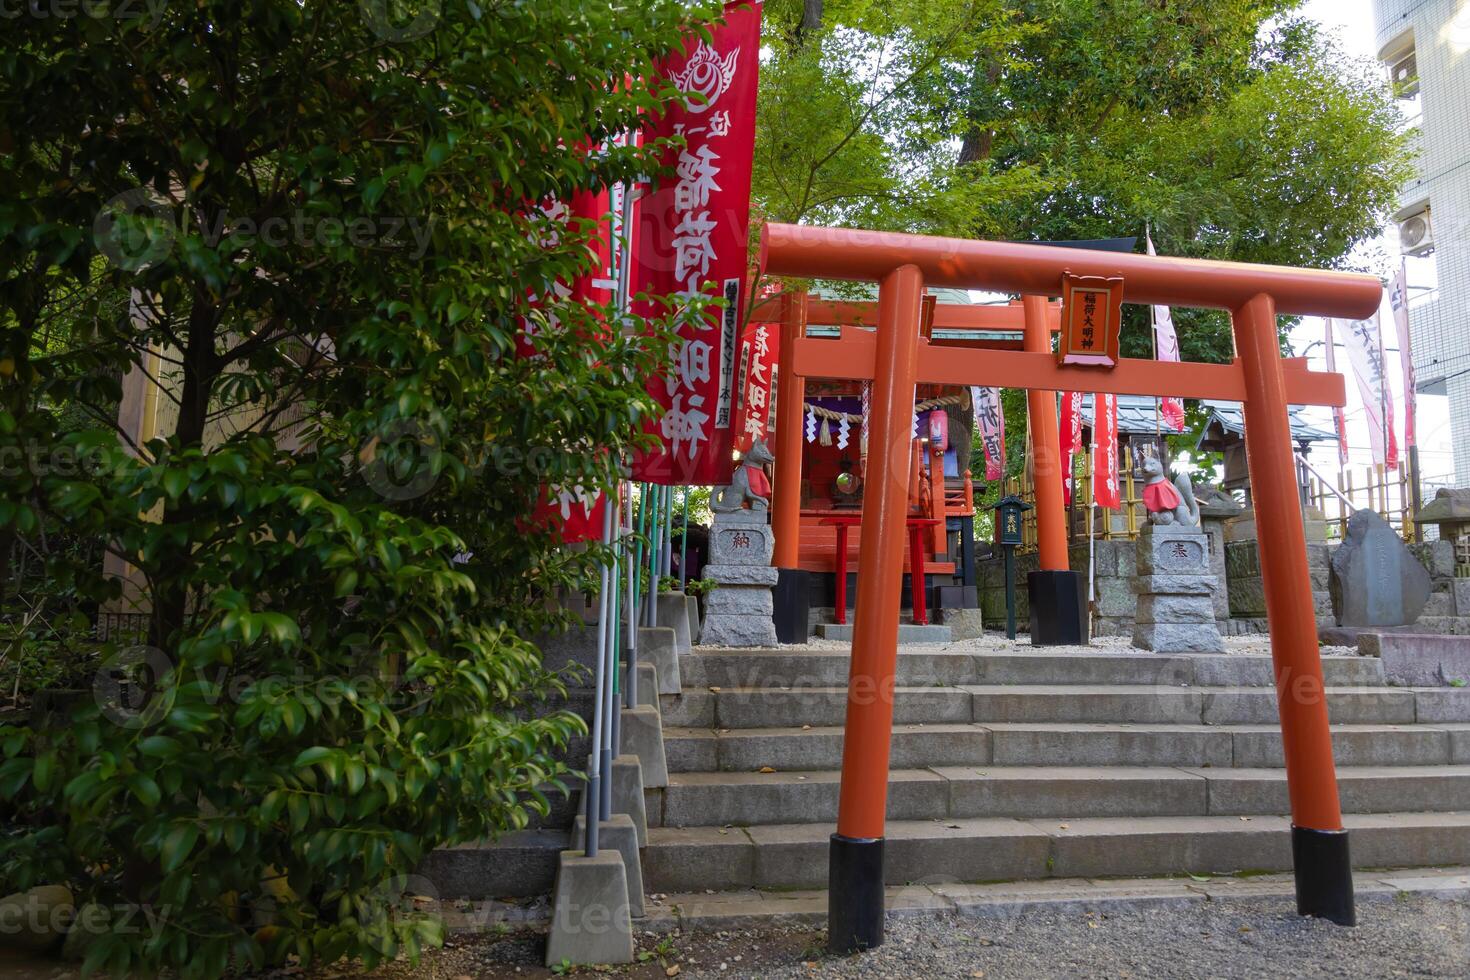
(895, 358)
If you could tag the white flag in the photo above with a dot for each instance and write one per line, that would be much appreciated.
(1364, 342)
(1166, 342)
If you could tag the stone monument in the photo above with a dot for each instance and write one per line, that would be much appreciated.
(1176, 583)
(1376, 580)
(739, 611)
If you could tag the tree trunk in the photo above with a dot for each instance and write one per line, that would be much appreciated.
(811, 20)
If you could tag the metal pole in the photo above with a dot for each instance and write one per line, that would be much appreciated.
(593, 793)
(666, 563)
(631, 642)
(654, 549)
(1010, 591)
(611, 715)
(684, 544)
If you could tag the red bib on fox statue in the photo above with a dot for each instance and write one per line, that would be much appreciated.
(1161, 496)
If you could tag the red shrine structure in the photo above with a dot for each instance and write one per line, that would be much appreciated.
(821, 483)
(901, 354)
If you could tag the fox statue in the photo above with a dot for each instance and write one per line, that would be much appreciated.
(1168, 503)
(749, 483)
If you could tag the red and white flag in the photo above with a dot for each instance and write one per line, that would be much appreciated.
(759, 352)
(1364, 342)
(1069, 434)
(990, 422)
(1398, 296)
(1166, 343)
(1105, 490)
(693, 238)
(575, 512)
(1339, 414)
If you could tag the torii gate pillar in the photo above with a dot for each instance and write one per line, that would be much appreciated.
(1053, 592)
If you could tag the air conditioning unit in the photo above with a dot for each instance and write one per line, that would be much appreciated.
(1416, 234)
(1404, 74)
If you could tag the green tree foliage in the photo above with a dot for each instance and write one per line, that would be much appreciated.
(1231, 128)
(313, 226)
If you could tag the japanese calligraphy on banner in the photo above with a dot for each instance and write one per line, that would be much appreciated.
(585, 209)
(1364, 342)
(759, 351)
(990, 422)
(1070, 438)
(692, 239)
(1105, 449)
(1092, 319)
(1339, 414)
(1398, 295)
(1166, 348)
(576, 513)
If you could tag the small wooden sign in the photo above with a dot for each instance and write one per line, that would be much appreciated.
(1092, 318)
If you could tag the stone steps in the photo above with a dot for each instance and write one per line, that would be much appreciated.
(766, 707)
(918, 668)
(1060, 744)
(994, 849)
(744, 799)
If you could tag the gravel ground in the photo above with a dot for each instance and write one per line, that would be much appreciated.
(1101, 646)
(1412, 936)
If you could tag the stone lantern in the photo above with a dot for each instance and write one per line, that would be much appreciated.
(1450, 510)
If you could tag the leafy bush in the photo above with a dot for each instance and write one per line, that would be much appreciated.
(329, 512)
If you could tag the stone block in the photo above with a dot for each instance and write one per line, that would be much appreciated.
(1109, 745)
(1242, 559)
(1172, 550)
(737, 629)
(1178, 637)
(692, 859)
(1450, 704)
(1158, 608)
(647, 683)
(1119, 846)
(741, 575)
(963, 624)
(643, 738)
(1376, 580)
(739, 543)
(1064, 791)
(695, 620)
(1461, 588)
(673, 612)
(735, 600)
(591, 920)
(1115, 597)
(517, 864)
(1174, 584)
(1419, 660)
(628, 795)
(617, 834)
(656, 646)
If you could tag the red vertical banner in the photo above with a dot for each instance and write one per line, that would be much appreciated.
(1398, 294)
(693, 240)
(1069, 433)
(1105, 448)
(990, 422)
(759, 351)
(585, 210)
(575, 512)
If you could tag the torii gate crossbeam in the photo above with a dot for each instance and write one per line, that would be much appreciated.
(896, 359)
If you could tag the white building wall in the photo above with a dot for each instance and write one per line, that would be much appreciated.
(1439, 33)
